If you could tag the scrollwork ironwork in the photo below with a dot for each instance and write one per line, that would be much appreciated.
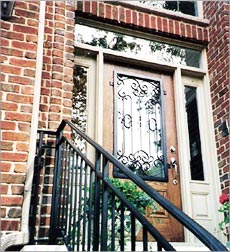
(127, 121)
(139, 131)
(142, 164)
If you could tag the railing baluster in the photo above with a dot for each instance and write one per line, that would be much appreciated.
(159, 247)
(75, 199)
(71, 169)
(96, 203)
(145, 239)
(84, 207)
(68, 219)
(53, 234)
(104, 220)
(133, 232)
(122, 230)
(79, 207)
(66, 190)
(90, 209)
(34, 201)
(63, 185)
(112, 235)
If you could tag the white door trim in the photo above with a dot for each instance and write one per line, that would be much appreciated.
(90, 94)
(99, 99)
(211, 186)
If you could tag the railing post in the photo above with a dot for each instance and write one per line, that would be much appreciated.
(96, 218)
(104, 220)
(145, 239)
(122, 227)
(133, 232)
(159, 247)
(53, 233)
(35, 189)
(79, 206)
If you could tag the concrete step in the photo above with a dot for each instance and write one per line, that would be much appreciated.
(44, 248)
(185, 246)
(179, 246)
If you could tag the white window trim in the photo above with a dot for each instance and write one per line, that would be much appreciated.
(140, 34)
(178, 14)
(147, 60)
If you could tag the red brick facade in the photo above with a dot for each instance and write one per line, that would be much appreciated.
(18, 66)
(150, 21)
(219, 69)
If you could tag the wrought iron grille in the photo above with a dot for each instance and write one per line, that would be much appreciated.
(139, 126)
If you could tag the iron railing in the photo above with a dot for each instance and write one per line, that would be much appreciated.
(42, 187)
(90, 213)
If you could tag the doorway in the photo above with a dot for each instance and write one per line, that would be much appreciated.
(139, 128)
(175, 183)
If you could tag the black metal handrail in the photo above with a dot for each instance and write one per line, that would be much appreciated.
(80, 212)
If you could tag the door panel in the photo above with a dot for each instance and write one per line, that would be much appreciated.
(169, 227)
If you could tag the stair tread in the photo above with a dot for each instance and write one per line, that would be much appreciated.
(179, 246)
(44, 248)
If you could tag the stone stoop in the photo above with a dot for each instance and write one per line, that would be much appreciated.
(44, 248)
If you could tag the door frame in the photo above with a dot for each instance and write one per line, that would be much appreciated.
(209, 156)
(204, 110)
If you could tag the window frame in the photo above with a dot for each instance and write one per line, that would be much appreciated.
(142, 35)
(151, 9)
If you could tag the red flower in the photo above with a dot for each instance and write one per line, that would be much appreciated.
(224, 198)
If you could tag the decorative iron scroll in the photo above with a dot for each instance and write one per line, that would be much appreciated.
(142, 164)
(138, 125)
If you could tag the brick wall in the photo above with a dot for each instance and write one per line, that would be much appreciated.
(18, 57)
(218, 12)
(18, 65)
(151, 21)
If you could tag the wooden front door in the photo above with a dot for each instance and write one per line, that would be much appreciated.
(139, 128)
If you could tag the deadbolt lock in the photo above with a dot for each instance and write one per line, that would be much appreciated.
(172, 149)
